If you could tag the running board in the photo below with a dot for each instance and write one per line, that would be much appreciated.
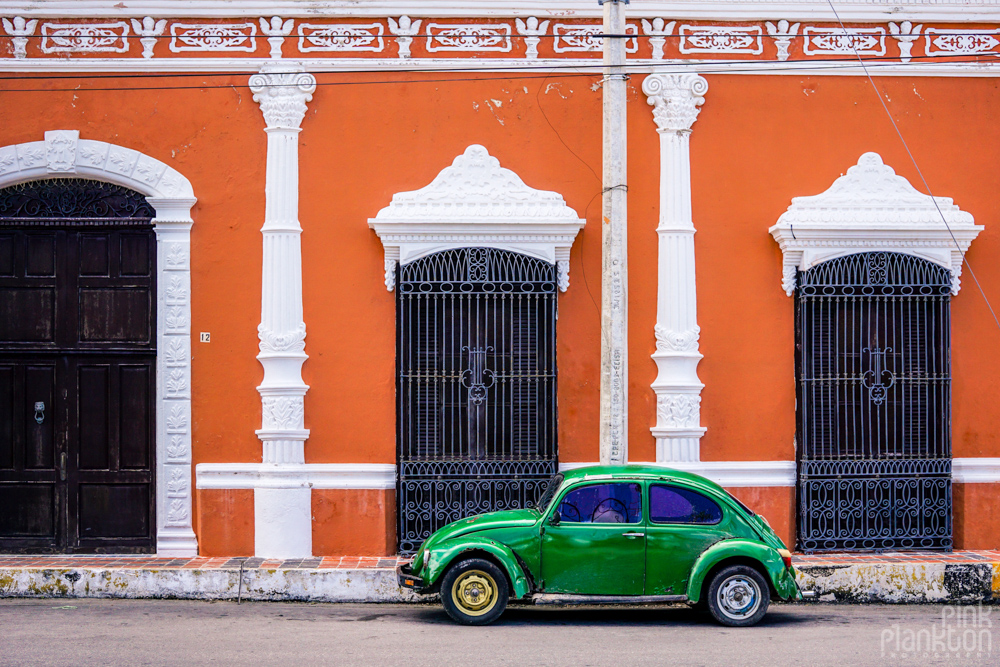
(562, 598)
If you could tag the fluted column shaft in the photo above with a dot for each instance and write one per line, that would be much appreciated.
(282, 94)
(675, 99)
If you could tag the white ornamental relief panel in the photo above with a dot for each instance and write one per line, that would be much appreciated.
(472, 37)
(678, 410)
(20, 30)
(85, 37)
(343, 37)
(288, 341)
(721, 39)
(213, 37)
(961, 42)
(587, 38)
(838, 41)
(282, 412)
(676, 341)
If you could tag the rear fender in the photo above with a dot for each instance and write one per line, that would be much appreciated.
(767, 558)
(443, 555)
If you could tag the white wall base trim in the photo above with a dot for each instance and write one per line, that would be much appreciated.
(979, 470)
(725, 473)
(295, 476)
(282, 522)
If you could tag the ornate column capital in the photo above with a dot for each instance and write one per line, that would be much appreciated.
(675, 99)
(282, 93)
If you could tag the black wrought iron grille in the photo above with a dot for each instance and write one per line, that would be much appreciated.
(476, 361)
(72, 201)
(874, 404)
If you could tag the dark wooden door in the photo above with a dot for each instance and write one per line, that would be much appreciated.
(77, 382)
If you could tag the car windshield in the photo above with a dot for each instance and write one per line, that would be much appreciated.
(550, 492)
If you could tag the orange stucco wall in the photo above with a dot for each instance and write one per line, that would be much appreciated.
(759, 141)
(774, 503)
(976, 515)
(354, 522)
(225, 522)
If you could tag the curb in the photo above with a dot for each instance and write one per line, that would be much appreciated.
(902, 583)
(874, 583)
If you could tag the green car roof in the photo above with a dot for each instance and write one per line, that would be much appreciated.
(640, 471)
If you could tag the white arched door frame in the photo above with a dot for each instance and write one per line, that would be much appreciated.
(63, 154)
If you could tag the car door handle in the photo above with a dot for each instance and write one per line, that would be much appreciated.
(631, 535)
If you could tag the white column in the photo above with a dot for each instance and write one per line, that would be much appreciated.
(675, 99)
(282, 515)
(614, 274)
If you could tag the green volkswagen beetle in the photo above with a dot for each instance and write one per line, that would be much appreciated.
(602, 534)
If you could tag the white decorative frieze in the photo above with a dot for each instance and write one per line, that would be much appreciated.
(60, 150)
(658, 30)
(404, 30)
(905, 34)
(148, 30)
(533, 30)
(576, 38)
(213, 37)
(276, 31)
(840, 41)
(476, 202)
(721, 39)
(85, 37)
(341, 37)
(676, 341)
(782, 33)
(952, 42)
(19, 31)
(468, 37)
(868, 209)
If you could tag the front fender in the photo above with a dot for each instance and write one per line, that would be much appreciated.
(782, 578)
(438, 559)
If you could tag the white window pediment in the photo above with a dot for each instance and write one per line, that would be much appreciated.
(868, 209)
(477, 203)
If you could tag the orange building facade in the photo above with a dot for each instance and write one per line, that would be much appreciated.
(297, 166)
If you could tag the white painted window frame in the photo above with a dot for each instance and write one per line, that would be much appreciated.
(63, 154)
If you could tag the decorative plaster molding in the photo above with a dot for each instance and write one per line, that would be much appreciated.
(905, 33)
(309, 476)
(213, 37)
(868, 209)
(730, 474)
(721, 39)
(404, 30)
(951, 42)
(675, 99)
(533, 30)
(276, 31)
(20, 30)
(476, 202)
(282, 90)
(577, 38)
(658, 30)
(63, 153)
(838, 41)
(782, 34)
(85, 37)
(975, 470)
(148, 30)
(341, 37)
(468, 37)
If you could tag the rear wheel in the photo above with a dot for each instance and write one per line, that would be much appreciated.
(474, 592)
(738, 596)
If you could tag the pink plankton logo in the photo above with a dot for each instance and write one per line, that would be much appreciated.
(962, 632)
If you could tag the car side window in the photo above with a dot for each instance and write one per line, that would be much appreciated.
(602, 503)
(671, 504)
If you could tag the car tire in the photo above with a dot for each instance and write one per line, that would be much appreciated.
(474, 591)
(738, 596)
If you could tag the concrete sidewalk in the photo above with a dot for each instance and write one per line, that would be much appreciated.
(892, 577)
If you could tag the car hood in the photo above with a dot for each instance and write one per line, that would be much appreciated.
(480, 522)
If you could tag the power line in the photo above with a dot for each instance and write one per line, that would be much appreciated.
(927, 187)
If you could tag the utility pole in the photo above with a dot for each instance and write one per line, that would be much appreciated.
(614, 271)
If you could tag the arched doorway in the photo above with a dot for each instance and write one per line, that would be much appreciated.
(476, 386)
(874, 403)
(77, 368)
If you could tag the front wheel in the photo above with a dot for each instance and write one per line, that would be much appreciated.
(474, 592)
(738, 596)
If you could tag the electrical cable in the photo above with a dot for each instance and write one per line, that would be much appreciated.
(927, 187)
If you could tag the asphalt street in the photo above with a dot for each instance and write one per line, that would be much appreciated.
(175, 632)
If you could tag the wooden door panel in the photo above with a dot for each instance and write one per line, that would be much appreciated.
(39, 382)
(27, 315)
(115, 314)
(29, 510)
(93, 416)
(7, 410)
(7, 255)
(94, 258)
(40, 256)
(113, 511)
(135, 423)
(135, 255)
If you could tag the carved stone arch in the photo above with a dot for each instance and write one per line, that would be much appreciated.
(871, 208)
(63, 154)
(477, 203)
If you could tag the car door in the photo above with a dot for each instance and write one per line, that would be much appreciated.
(598, 546)
(682, 524)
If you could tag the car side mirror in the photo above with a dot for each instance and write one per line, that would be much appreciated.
(555, 518)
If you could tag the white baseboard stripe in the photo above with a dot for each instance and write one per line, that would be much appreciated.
(296, 475)
(979, 470)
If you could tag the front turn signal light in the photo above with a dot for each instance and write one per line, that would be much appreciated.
(786, 557)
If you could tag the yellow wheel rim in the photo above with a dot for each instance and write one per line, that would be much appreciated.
(474, 592)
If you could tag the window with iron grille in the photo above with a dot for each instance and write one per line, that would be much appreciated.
(476, 386)
(874, 404)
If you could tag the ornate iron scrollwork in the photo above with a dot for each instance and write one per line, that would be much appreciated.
(477, 378)
(877, 379)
